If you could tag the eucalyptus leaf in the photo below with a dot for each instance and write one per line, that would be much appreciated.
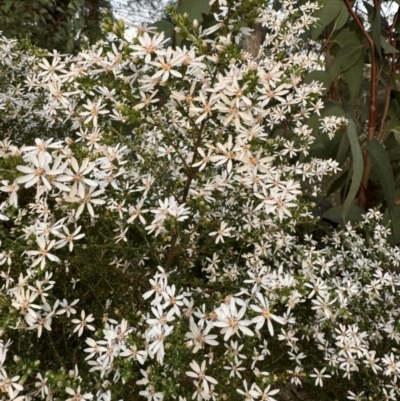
(346, 37)
(358, 168)
(343, 151)
(392, 146)
(195, 9)
(335, 214)
(165, 26)
(8, 5)
(342, 17)
(388, 48)
(394, 238)
(354, 77)
(329, 10)
(337, 185)
(376, 29)
(332, 109)
(396, 132)
(320, 76)
(345, 59)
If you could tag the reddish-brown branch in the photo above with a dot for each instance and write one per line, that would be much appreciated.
(392, 41)
(362, 199)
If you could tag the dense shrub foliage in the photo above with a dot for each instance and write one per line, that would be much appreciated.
(158, 238)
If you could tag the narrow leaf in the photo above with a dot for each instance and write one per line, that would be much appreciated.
(388, 48)
(343, 150)
(376, 29)
(396, 224)
(358, 168)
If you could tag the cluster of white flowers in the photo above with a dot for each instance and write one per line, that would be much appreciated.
(188, 168)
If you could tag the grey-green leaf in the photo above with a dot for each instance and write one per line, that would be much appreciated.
(388, 48)
(358, 168)
(376, 29)
(320, 76)
(195, 9)
(346, 37)
(342, 17)
(354, 77)
(329, 10)
(334, 214)
(345, 59)
(165, 26)
(396, 132)
(343, 150)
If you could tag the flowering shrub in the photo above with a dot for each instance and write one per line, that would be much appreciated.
(158, 238)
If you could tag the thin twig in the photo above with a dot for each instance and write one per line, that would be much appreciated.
(388, 87)
(372, 103)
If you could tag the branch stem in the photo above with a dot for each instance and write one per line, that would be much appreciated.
(362, 195)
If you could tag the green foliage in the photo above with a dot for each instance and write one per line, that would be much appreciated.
(330, 9)
(344, 60)
(357, 168)
(54, 24)
(194, 9)
(361, 75)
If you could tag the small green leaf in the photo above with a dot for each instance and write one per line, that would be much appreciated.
(358, 168)
(381, 164)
